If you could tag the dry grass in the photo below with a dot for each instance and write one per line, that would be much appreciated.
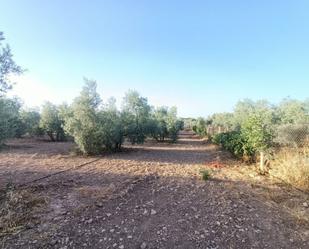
(292, 166)
(96, 192)
(18, 208)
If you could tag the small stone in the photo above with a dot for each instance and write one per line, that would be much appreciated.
(89, 221)
(108, 214)
(305, 204)
(53, 242)
(121, 247)
(153, 212)
(145, 212)
(115, 244)
(194, 209)
(99, 204)
(129, 237)
(112, 230)
(143, 245)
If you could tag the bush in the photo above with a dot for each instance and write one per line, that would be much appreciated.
(231, 141)
(206, 174)
(252, 137)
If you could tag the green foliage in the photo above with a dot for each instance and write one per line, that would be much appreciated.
(29, 123)
(293, 111)
(111, 126)
(7, 66)
(224, 119)
(51, 122)
(253, 137)
(135, 116)
(233, 142)
(257, 134)
(165, 124)
(206, 174)
(9, 116)
(82, 120)
(200, 127)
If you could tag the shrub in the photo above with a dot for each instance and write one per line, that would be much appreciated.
(256, 134)
(231, 141)
(252, 137)
(205, 174)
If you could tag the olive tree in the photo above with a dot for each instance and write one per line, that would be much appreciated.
(293, 111)
(82, 121)
(51, 122)
(165, 124)
(29, 123)
(7, 66)
(111, 126)
(135, 116)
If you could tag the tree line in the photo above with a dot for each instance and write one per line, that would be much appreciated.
(93, 125)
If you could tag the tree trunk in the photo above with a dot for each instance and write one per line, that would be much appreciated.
(51, 135)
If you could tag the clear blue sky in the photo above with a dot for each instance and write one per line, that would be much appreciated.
(201, 56)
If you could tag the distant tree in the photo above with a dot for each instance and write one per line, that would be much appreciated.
(248, 107)
(82, 120)
(165, 124)
(225, 120)
(7, 66)
(159, 123)
(293, 111)
(29, 123)
(51, 122)
(135, 115)
(200, 127)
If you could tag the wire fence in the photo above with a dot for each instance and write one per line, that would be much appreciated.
(287, 135)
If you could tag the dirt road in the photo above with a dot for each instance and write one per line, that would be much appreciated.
(149, 196)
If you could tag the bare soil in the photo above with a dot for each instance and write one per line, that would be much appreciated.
(149, 196)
